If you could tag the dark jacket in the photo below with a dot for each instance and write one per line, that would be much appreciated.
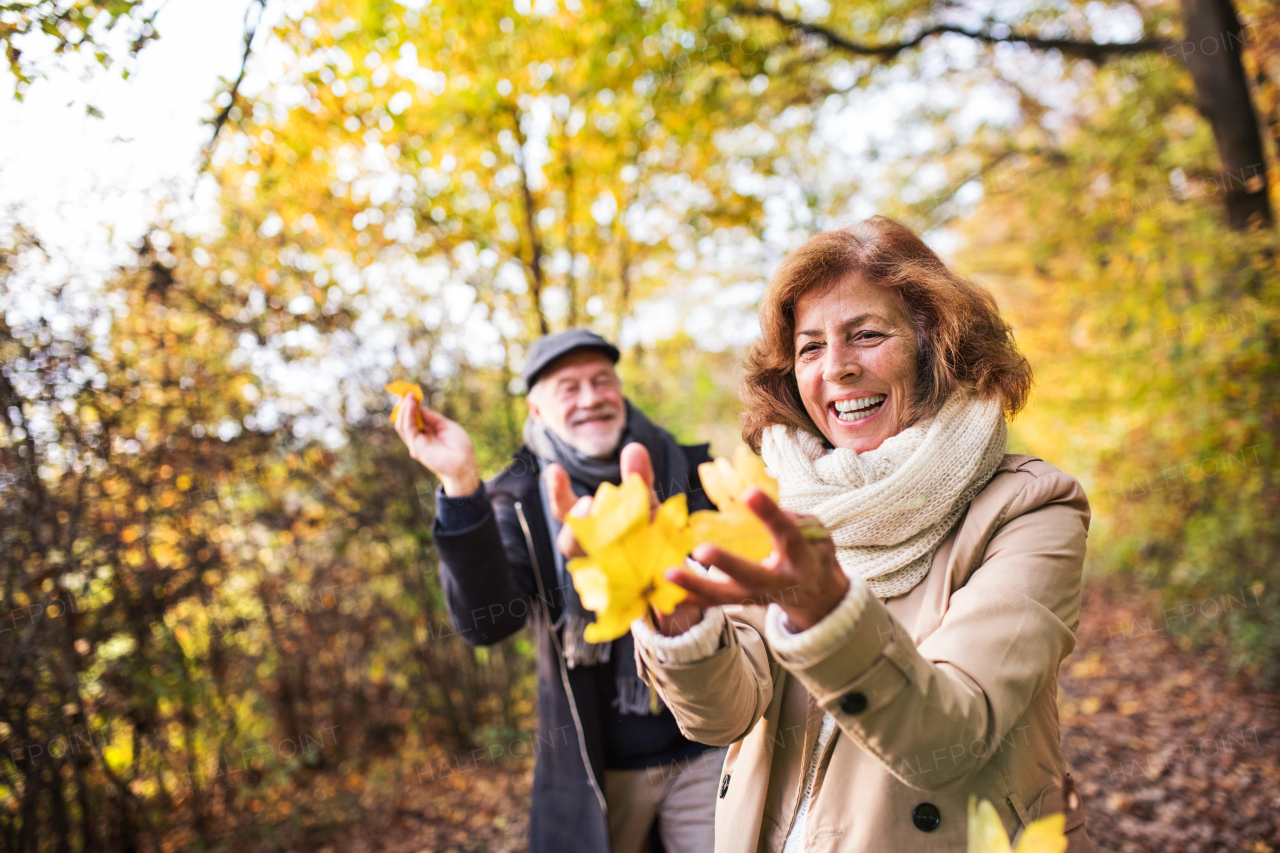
(492, 585)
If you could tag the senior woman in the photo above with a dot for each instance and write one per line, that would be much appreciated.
(908, 659)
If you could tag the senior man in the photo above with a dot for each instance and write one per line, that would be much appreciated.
(626, 764)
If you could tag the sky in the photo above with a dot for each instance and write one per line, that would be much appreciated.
(89, 185)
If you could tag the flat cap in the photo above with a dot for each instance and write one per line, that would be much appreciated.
(548, 348)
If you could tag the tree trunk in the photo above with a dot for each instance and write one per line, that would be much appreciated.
(1212, 54)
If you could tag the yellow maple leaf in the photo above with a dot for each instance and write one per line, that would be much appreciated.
(987, 835)
(725, 481)
(615, 512)
(734, 527)
(399, 389)
(627, 556)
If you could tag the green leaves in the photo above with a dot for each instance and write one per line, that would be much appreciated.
(62, 27)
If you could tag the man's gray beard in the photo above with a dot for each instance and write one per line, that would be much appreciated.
(592, 449)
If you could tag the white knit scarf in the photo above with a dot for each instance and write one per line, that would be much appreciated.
(888, 509)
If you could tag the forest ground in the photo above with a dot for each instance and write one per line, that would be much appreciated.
(1171, 754)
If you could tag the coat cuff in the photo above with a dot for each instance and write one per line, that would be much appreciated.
(697, 644)
(863, 671)
(803, 648)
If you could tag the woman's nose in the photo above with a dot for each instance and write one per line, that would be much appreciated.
(840, 366)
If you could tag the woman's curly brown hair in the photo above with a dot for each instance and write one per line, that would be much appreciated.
(962, 341)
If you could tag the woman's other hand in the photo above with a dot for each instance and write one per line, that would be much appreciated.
(634, 460)
(801, 575)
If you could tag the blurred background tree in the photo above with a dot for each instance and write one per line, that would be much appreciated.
(58, 27)
(221, 624)
(1100, 222)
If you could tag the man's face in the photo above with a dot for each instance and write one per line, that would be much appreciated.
(579, 398)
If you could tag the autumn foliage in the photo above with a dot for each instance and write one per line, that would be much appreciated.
(220, 622)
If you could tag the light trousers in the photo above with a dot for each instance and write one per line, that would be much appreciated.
(680, 796)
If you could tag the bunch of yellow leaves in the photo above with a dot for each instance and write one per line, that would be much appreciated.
(399, 389)
(987, 835)
(627, 555)
(734, 527)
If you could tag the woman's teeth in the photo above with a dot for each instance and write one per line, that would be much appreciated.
(856, 410)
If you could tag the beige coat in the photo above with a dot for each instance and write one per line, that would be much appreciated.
(940, 694)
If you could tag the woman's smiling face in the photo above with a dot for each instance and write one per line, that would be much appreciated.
(856, 362)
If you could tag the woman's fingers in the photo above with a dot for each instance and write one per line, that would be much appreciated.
(709, 592)
(749, 574)
(705, 589)
(685, 615)
(789, 540)
(567, 542)
(635, 460)
(560, 490)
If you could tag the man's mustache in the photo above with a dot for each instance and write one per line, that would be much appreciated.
(595, 412)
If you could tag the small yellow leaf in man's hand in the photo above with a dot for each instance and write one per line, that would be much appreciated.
(398, 389)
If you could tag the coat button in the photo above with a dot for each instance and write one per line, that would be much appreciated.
(724, 786)
(853, 703)
(926, 817)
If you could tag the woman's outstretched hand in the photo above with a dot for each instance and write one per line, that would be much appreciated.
(801, 575)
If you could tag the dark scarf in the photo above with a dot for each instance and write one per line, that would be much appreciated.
(586, 473)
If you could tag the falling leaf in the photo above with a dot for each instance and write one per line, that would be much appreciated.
(987, 835)
(399, 389)
(627, 556)
(734, 527)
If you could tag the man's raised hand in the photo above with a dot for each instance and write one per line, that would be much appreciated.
(443, 447)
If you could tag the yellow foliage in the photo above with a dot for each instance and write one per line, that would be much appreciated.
(987, 835)
(627, 554)
(725, 482)
(734, 527)
(399, 389)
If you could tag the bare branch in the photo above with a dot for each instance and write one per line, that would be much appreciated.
(535, 238)
(234, 91)
(1096, 52)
